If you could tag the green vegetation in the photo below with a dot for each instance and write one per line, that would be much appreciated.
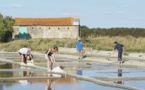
(125, 54)
(111, 32)
(6, 28)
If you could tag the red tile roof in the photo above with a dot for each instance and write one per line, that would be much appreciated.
(43, 21)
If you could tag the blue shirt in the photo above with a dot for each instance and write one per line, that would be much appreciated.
(118, 47)
(79, 45)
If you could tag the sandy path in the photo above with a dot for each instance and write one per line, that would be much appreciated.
(132, 60)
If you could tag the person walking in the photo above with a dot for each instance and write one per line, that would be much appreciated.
(79, 47)
(119, 47)
(50, 57)
(23, 53)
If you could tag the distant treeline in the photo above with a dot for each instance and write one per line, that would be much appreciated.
(94, 32)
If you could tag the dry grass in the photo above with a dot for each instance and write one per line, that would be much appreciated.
(130, 43)
(100, 43)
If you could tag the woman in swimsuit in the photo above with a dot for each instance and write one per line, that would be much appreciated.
(50, 57)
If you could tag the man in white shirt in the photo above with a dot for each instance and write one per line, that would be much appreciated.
(24, 52)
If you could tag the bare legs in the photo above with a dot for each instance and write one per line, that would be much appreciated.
(23, 58)
(80, 54)
(49, 64)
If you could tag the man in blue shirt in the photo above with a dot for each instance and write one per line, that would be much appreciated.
(119, 47)
(79, 47)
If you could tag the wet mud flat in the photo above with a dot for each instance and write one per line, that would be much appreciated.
(110, 72)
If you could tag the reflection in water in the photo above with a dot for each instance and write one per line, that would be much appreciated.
(50, 84)
(24, 82)
(26, 74)
(79, 69)
(6, 74)
(119, 75)
(79, 72)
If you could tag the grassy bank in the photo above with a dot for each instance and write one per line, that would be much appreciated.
(106, 43)
(98, 43)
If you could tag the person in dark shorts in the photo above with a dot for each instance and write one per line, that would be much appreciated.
(119, 47)
(24, 52)
(50, 57)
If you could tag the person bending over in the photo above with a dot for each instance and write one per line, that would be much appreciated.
(23, 53)
(50, 57)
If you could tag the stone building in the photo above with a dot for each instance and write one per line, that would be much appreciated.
(26, 28)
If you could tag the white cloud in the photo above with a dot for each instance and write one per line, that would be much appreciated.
(16, 5)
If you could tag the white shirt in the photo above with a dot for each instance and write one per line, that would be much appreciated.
(24, 51)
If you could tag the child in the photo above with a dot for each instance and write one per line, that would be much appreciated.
(50, 57)
(30, 60)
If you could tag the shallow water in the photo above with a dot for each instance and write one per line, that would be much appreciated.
(59, 84)
(78, 85)
(99, 70)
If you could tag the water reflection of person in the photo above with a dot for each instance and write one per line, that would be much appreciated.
(79, 72)
(119, 75)
(50, 84)
(25, 82)
(79, 69)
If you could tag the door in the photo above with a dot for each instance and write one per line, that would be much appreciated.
(22, 32)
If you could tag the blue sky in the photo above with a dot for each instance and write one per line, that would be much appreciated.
(92, 13)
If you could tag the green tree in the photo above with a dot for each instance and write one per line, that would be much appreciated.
(6, 28)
